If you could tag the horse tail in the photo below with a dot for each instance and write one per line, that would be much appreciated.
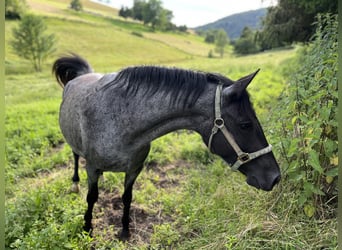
(69, 67)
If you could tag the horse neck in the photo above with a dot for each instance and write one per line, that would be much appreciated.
(162, 118)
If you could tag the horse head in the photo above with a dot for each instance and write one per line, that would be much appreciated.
(237, 135)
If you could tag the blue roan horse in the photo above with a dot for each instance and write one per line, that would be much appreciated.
(111, 119)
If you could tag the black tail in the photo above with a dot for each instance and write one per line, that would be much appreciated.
(69, 67)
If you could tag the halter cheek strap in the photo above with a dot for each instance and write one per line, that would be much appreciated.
(242, 157)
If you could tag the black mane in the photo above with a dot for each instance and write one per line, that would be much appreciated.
(185, 86)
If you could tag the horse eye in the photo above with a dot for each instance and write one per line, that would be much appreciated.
(245, 125)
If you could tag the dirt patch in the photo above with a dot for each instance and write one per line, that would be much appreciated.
(108, 214)
(109, 208)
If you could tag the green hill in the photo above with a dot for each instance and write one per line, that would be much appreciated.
(98, 31)
(234, 24)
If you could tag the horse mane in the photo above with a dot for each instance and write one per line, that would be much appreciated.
(184, 86)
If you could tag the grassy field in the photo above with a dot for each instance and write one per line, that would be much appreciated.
(185, 198)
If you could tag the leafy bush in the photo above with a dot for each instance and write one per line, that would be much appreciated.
(306, 125)
(246, 44)
(32, 132)
(15, 9)
(48, 218)
(76, 5)
(138, 34)
(164, 236)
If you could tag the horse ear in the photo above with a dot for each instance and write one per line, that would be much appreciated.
(235, 90)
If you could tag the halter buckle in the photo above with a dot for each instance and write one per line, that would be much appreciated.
(244, 157)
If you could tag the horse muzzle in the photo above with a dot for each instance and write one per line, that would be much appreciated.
(262, 183)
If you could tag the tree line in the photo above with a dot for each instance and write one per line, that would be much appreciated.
(288, 22)
(151, 13)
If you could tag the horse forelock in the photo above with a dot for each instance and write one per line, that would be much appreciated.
(184, 86)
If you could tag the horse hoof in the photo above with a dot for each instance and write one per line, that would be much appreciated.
(75, 188)
(124, 236)
(88, 230)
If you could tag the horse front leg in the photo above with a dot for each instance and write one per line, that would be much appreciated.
(127, 195)
(92, 197)
(127, 199)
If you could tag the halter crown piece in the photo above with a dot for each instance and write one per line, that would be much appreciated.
(242, 157)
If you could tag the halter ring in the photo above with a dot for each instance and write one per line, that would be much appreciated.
(219, 122)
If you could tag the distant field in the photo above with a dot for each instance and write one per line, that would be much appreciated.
(51, 7)
(188, 43)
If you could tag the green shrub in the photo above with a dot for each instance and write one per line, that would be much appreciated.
(164, 236)
(305, 124)
(32, 132)
(76, 5)
(15, 9)
(138, 34)
(49, 218)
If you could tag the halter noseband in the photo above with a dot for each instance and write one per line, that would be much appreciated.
(242, 157)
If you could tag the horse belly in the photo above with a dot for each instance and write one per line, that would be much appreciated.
(71, 130)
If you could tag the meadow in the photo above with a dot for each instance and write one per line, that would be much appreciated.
(185, 198)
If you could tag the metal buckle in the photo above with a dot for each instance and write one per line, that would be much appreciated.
(219, 122)
(244, 157)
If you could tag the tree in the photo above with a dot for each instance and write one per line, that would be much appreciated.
(125, 12)
(31, 42)
(210, 36)
(246, 44)
(221, 40)
(163, 20)
(151, 13)
(152, 10)
(15, 9)
(182, 28)
(291, 21)
(137, 10)
(76, 5)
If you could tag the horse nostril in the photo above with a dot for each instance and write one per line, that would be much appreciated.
(253, 181)
(276, 180)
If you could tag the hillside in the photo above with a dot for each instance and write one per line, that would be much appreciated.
(234, 24)
(99, 31)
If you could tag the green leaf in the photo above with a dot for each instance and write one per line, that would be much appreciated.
(314, 161)
(302, 199)
(309, 210)
(312, 189)
(293, 148)
(296, 175)
(332, 172)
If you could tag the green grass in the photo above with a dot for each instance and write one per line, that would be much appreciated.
(185, 198)
(187, 43)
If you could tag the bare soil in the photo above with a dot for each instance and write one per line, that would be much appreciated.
(109, 208)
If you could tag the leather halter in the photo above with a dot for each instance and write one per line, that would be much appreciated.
(242, 157)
